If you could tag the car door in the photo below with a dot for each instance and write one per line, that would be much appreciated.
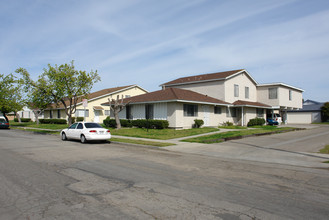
(78, 131)
(70, 133)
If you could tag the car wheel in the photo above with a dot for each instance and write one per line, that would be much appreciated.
(83, 139)
(64, 138)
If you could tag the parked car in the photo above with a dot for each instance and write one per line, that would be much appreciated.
(271, 121)
(3, 122)
(86, 131)
(277, 117)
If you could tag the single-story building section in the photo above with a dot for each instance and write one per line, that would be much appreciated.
(181, 107)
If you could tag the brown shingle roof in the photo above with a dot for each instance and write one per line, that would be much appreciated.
(203, 77)
(254, 104)
(173, 94)
(92, 95)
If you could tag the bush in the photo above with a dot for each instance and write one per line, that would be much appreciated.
(228, 123)
(325, 112)
(76, 119)
(53, 121)
(108, 122)
(198, 123)
(23, 119)
(256, 121)
(150, 123)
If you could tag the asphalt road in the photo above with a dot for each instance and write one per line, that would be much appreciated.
(42, 177)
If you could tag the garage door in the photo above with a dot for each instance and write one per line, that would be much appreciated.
(299, 117)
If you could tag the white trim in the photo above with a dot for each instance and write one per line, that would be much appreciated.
(253, 106)
(279, 84)
(235, 74)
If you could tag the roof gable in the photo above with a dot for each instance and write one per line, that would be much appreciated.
(204, 77)
(173, 94)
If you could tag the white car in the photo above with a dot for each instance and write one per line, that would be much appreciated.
(86, 131)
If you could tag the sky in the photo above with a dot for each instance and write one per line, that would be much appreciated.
(150, 42)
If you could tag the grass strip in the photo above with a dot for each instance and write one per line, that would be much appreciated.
(142, 142)
(37, 130)
(220, 137)
(34, 125)
(325, 150)
(161, 134)
(233, 127)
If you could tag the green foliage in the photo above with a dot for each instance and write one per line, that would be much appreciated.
(140, 123)
(198, 123)
(325, 112)
(11, 97)
(110, 123)
(77, 119)
(23, 119)
(228, 124)
(53, 121)
(62, 85)
(256, 121)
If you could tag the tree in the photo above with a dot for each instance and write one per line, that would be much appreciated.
(117, 105)
(11, 97)
(63, 85)
(325, 111)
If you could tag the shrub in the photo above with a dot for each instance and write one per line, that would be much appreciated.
(256, 121)
(108, 122)
(23, 119)
(228, 123)
(76, 119)
(150, 123)
(198, 123)
(325, 112)
(53, 121)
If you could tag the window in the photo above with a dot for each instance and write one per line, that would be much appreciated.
(260, 112)
(290, 95)
(236, 90)
(73, 126)
(127, 96)
(107, 112)
(190, 110)
(149, 111)
(51, 114)
(128, 112)
(273, 93)
(246, 92)
(218, 110)
(230, 112)
(80, 126)
(58, 113)
(81, 113)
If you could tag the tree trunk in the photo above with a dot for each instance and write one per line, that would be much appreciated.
(117, 119)
(18, 117)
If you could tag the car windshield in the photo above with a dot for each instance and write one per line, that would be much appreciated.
(92, 125)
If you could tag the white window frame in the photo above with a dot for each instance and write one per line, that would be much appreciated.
(236, 90)
(273, 93)
(246, 91)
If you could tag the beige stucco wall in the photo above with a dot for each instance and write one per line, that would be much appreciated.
(97, 102)
(283, 97)
(213, 89)
(242, 80)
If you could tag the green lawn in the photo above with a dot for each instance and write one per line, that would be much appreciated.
(161, 134)
(325, 150)
(216, 138)
(34, 125)
(142, 142)
(233, 127)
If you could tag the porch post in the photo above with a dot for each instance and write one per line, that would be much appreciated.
(242, 116)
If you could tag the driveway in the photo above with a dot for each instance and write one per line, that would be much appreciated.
(293, 148)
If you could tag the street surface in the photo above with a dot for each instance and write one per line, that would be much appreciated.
(42, 177)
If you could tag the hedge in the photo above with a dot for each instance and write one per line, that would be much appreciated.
(198, 123)
(140, 123)
(76, 119)
(23, 119)
(256, 121)
(53, 121)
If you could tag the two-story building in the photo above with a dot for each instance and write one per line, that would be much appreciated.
(216, 98)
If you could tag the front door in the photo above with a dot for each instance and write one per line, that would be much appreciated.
(96, 118)
(206, 115)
